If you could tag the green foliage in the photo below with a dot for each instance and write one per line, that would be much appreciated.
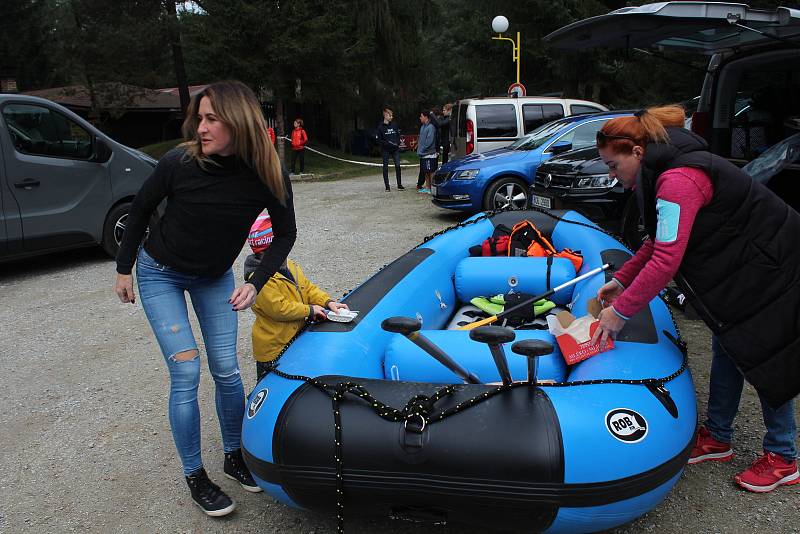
(352, 57)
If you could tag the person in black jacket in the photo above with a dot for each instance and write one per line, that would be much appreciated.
(731, 245)
(215, 185)
(444, 131)
(389, 140)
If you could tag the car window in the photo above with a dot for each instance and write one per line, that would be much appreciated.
(582, 108)
(462, 120)
(584, 135)
(765, 99)
(43, 132)
(535, 115)
(496, 120)
(538, 137)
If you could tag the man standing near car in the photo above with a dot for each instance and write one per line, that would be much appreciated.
(389, 139)
(426, 150)
(444, 131)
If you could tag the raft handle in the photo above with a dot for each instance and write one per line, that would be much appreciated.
(662, 394)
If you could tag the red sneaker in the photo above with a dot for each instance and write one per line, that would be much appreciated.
(708, 449)
(767, 473)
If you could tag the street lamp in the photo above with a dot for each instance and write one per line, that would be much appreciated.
(500, 25)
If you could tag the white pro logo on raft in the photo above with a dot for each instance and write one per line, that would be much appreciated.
(256, 402)
(626, 425)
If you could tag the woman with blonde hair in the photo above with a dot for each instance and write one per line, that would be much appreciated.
(730, 244)
(215, 184)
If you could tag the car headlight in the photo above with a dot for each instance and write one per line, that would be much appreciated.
(468, 174)
(597, 181)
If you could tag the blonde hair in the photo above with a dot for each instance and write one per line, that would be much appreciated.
(646, 126)
(237, 107)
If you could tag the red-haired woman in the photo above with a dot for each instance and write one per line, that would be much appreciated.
(730, 243)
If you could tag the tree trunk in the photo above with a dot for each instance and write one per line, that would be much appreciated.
(177, 54)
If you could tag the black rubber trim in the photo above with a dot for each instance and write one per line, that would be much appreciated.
(367, 295)
(542, 221)
(564, 495)
(640, 328)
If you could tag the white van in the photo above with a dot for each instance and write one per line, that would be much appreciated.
(483, 124)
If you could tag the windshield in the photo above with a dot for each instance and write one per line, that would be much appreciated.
(540, 135)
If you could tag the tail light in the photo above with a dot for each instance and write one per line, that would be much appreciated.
(700, 123)
(470, 137)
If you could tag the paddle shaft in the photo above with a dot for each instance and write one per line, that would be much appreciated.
(439, 355)
(532, 300)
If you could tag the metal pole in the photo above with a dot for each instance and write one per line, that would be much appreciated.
(518, 50)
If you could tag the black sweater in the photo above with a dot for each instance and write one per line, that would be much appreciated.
(207, 218)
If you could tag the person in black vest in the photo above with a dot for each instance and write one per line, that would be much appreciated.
(389, 139)
(731, 245)
(215, 184)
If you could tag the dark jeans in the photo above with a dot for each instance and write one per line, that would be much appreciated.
(725, 391)
(396, 157)
(445, 153)
(299, 154)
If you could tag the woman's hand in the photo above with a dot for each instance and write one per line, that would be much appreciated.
(124, 288)
(243, 296)
(609, 293)
(318, 313)
(336, 306)
(609, 327)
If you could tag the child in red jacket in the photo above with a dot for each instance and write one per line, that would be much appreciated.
(299, 140)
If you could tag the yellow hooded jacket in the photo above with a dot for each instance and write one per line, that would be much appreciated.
(281, 309)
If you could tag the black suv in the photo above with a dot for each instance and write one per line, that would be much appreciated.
(579, 180)
(755, 57)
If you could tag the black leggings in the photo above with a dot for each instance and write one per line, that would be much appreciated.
(299, 154)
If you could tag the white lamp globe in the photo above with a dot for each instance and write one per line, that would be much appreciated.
(500, 24)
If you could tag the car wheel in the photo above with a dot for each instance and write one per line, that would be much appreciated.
(116, 220)
(506, 193)
(633, 231)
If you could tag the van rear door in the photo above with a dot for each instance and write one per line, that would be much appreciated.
(62, 193)
(705, 27)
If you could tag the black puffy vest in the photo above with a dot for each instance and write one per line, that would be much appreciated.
(741, 269)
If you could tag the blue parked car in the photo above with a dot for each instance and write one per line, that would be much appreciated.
(501, 178)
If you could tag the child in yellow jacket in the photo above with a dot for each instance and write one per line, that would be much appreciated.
(283, 306)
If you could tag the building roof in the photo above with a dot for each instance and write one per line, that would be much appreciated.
(116, 96)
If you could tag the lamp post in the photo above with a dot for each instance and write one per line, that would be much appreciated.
(500, 25)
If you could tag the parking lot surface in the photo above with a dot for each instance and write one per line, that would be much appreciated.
(83, 393)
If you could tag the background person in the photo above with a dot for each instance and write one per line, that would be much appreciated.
(389, 139)
(426, 150)
(215, 185)
(299, 140)
(731, 244)
(444, 131)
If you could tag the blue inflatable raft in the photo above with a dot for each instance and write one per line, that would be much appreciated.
(358, 420)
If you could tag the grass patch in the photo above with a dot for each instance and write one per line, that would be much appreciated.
(315, 163)
(159, 149)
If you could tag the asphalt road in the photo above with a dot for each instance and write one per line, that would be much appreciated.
(83, 392)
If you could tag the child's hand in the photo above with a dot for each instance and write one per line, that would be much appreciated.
(336, 306)
(318, 313)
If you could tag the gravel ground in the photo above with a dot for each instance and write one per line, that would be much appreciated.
(83, 390)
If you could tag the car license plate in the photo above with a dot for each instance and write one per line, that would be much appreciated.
(434, 189)
(542, 202)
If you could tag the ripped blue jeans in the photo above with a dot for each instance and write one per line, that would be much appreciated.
(162, 291)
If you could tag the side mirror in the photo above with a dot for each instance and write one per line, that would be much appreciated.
(102, 152)
(560, 146)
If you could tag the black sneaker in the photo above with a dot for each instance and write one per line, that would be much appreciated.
(387, 189)
(208, 495)
(235, 469)
(401, 188)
